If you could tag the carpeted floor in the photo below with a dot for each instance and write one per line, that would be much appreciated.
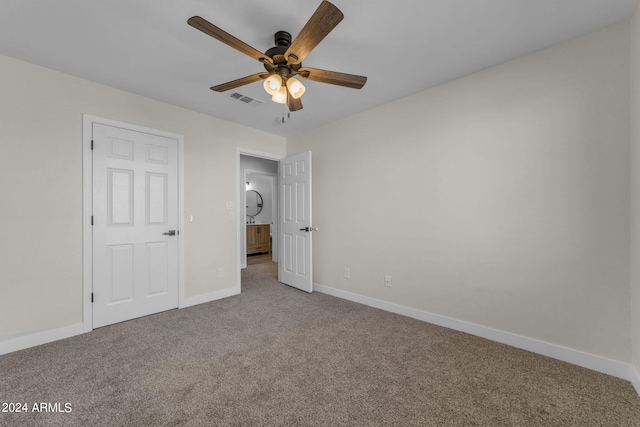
(277, 356)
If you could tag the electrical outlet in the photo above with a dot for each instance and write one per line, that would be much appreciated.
(221, 272)
(347, 273)
(387, 281)
(231, 205)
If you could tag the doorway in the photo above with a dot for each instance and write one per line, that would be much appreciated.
(132, 211)
(258, 209)
(291, 225)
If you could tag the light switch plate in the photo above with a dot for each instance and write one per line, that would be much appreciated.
(387, 281)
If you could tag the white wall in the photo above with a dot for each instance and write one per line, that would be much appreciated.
(635, 194)
(41, 200)
(500, 199)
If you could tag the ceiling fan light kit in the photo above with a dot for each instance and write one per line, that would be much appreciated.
(272, 84)
(296, 88)
(280, 96)
(283, 62)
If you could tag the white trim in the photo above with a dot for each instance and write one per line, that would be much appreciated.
(87, 206)
(213, 296)
(87, 211)
(575, 357)
(22, 341)
(259, 154)
(635, 379)
(181, 225)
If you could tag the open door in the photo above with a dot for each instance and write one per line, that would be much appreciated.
(295, 260)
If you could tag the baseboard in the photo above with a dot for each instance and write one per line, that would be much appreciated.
(575, 357)
(635, 379)
(22, 341)
(213, 296)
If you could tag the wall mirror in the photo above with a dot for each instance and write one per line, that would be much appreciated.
(254, 203)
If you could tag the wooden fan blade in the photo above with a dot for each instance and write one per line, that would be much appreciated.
(294, 104)
(332, 77)
(323, 20)
(226, 38)
(240, 82)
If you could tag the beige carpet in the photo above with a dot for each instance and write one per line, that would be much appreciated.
(277, 356)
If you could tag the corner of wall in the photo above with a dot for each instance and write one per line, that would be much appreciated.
(635, 379)
(634, 282)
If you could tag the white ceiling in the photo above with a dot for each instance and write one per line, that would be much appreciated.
(403, 46)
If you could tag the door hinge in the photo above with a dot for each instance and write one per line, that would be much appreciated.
(92, 144)
(91, 296)
(91, 219)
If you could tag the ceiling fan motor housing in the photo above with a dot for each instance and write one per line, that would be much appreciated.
(282, 40)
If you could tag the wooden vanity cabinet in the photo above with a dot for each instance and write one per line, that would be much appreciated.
(258, 238)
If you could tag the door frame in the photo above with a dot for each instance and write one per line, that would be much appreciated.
(87, 208)
(240, 204)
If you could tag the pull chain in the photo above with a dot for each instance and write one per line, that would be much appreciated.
(286, 115)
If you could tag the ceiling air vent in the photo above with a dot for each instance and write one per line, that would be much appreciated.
(246, 99)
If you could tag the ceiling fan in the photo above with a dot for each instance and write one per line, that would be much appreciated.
(283, 62)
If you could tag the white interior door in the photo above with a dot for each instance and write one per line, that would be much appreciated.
(135, 210)
(295, 261)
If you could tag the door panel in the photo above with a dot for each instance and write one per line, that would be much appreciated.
(135, 201)
(295, 267)
(156, 198)
(158, 258)
(301, 256)
(301, 209)
(120, 272)
(120, 197)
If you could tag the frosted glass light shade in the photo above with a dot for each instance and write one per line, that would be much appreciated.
(280, 96)
(272, 84)
(296, 89)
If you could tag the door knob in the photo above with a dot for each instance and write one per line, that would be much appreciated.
(307, 229)
(170, 233)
